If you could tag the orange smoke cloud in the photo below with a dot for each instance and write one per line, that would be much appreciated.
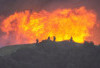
(26, 27)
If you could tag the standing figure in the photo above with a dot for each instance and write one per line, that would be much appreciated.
(71, 39)
(37, 41)
(54, 38)
(48, 38)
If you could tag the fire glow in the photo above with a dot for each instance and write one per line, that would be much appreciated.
(26, 27)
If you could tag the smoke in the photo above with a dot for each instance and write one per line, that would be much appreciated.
(10, 6)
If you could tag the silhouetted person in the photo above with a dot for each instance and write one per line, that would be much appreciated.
(54, 38)
(71, 39)
(37, 41)
(48, 38)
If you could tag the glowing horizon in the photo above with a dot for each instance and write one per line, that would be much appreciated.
(26, 27)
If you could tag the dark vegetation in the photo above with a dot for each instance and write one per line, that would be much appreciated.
(51, 54)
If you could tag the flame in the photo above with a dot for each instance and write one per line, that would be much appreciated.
(26, 27)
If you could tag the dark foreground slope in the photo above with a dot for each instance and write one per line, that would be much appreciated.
(48, 54)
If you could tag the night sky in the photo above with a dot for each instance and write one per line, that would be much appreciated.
(8, 7)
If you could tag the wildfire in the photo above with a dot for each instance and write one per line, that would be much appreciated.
(26, 27)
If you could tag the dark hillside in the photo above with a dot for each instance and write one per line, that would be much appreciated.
(49, 54)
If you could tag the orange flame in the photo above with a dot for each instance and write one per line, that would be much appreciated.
(26, 27)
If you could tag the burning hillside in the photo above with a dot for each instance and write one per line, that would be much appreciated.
(27, 26)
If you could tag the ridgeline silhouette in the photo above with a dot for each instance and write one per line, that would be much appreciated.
(68, 42)
(51, 54)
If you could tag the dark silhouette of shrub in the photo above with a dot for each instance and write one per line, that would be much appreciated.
(91, 43)
(88, 44)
